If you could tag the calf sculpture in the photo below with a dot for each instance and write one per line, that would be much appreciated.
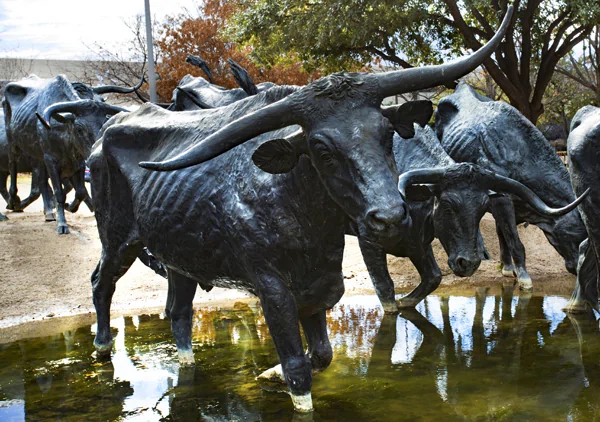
(494, 135)
(445, 200)
(583, 146)
(219, 220)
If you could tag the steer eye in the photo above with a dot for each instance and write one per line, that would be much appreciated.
(327, 158)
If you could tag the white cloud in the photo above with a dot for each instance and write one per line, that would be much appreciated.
(60, 29)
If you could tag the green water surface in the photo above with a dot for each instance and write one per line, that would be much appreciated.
(482, 358)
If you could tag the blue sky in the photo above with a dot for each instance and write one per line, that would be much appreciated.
(60, 29)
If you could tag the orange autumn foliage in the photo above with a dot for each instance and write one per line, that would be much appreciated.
(200, 36)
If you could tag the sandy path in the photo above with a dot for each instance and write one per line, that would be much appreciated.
(44, 275)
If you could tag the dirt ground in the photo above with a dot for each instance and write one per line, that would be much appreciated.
(44, 275)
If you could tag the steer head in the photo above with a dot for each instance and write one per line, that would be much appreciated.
(77, 121)
(346, 135)
(462, 193)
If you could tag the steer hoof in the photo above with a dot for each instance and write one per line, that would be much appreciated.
(50, 216)
(275, 374)
(103, 350)
(62, 229)
(186, 358)
(407, 303)
(508, 271)
(302, 403)
(525, 284)
(390, 308)
(3, 217)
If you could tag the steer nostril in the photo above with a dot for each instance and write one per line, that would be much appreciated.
(376, 220)
(461, 263)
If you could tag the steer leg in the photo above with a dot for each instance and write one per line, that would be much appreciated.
(180, 311)
(281, 315)
(503, 211)
(484, 254)
(13, 197)
(3, 192)
(3, 180)
(376, 262)
(81, 193)
(116, 259)
(47, 195)
(319, 347)
(34, 193)
(59, 194)
(431, 277)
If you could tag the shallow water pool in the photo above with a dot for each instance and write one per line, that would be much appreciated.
(483, 357)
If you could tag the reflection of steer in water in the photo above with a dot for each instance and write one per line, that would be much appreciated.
(515, 365)
(444, 199)
(227, 223)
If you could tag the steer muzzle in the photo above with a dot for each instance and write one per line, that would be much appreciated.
(385, 225)
(464, 266)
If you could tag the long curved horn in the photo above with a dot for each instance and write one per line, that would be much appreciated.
(418, 78)
(193, 99)
(105, 89)
(271, 117)
(500, 183)
(242, 77)
(426, 176)
(78, 108)
(198, 62)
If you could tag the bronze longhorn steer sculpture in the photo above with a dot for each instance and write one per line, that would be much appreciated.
(445, 200)
(583, 146)
(214, 218)
(55, 123)
(495, 135)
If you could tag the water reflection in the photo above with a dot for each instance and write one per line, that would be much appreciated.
(491, 356)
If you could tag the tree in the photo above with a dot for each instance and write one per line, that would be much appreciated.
(562, 99)
(201, 35)
(337, 33)
(114, 65)
(586, 69)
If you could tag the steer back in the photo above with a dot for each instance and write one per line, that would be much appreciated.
(494, 135)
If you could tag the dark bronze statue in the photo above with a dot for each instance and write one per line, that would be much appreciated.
(445, 200)
(222, 220)
(584, 165)
(55, 123)
(196, 93)
(494, 135)
(24, 165)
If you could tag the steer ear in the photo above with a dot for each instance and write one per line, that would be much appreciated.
(404, 116)
(419, 193)
(64, 117)
(494, 194)
(279, 156)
